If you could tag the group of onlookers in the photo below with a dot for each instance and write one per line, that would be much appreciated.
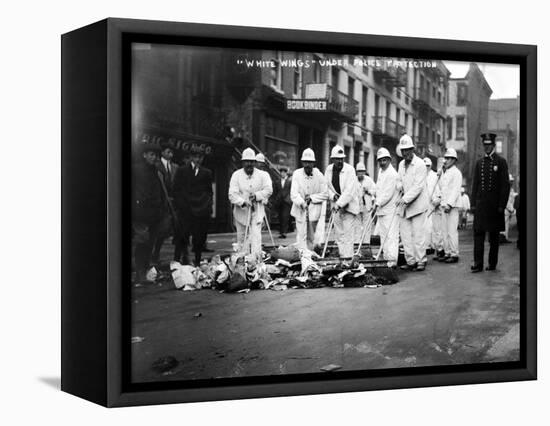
(169, 200)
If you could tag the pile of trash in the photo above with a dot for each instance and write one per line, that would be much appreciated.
(283, 268)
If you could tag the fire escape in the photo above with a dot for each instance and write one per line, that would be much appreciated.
(430, 110)
(386, 132)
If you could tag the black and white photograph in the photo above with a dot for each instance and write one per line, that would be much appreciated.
(277, 214)
(311, 213)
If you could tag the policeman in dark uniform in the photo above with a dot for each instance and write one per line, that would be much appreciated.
(490, 190)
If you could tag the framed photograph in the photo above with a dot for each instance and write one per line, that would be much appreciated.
(255, 212)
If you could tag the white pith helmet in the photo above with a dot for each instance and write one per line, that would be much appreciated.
(405, 142)
(382, 153)
(248, 154)
(451, 153)
(308, 155)
(337, 152)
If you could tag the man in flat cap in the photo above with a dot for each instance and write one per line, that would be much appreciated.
(193, 197)
(490, 191)
(167, 169)
(147, 208)
(281, 199)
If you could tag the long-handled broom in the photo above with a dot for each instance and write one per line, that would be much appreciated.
(329, 231)
(269, 230)
(383, 270)
(366, 230)
(247, 230)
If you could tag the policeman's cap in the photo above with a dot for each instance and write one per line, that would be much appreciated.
(488, 138)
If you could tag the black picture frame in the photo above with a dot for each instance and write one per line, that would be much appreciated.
(95, 178)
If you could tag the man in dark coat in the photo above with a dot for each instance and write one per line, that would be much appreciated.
(167, 169)
(193, 194)
(147, 208)
(490, 191)
(281, 200)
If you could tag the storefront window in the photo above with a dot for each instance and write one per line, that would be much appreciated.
(282, 142)
(280, 152)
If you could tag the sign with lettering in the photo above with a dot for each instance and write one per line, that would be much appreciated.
(183, 145)
(306, 105)
(316, 90)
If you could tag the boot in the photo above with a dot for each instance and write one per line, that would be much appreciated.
(440, 255)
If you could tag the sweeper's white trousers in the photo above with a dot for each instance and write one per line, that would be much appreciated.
(436, 234)
(253, 243)
(343, 232)
(450, 232)
(389, 236)
(413, 236)
(507, 217)
(305, 234)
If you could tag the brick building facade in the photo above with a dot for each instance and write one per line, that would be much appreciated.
(221, 100)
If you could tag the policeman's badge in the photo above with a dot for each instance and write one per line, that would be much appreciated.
(495, 168)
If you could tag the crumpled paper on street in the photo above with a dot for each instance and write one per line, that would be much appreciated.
(289, 253)
(308, 263)
(183, 276)
(239, 271)
(151, 274)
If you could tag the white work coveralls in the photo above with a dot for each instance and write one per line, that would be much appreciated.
(348, 202)
(450, 184)
(388, 222)
(365, 195)
(465, 203)
(241, 186)
(307, 215)
(434, 236)
(463, 209)
(412, 181)
(509, 212)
